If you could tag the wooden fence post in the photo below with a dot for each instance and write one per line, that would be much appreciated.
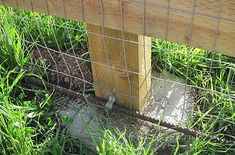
(121, 65)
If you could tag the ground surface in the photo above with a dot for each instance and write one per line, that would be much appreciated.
(65, 69)
(91, 121)
(171, 98)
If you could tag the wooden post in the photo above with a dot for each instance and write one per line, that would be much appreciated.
(121, 67)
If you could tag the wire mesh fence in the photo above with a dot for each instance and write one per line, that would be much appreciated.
(186, 85)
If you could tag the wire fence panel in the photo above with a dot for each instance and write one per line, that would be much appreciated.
(109, 54)
(204, 24)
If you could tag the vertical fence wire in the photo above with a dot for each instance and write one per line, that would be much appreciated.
(124, 40)
(111, 71)
(73, 51)
(144, 46)
(164, 102)
(125, 51)
(187, 66)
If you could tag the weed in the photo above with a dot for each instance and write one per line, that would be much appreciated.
(117, 143)
(27, 126)
(12, 53)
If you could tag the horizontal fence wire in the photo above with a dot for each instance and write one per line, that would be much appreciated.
(171, 7)
(140, 43)
(167, 49)
(115, 68)
(168, 5)
(71, 66)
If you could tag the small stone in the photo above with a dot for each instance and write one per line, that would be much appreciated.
(73, 73)
(66, 79)
(78, 100)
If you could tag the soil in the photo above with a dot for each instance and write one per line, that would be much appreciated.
(134, 128)
(66, 69)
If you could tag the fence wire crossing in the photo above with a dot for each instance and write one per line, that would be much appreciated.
(177, 82)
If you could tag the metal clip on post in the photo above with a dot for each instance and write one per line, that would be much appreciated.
(110, 103)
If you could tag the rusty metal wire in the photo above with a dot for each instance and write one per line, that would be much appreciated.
(74, 70)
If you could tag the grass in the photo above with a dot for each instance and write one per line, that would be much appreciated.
(212, 76)
(12, 52)
(47, 30)
(25, 111)
(28, 122)
(118, 144)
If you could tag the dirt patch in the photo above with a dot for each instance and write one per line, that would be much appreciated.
(69, 70)
(92, 120)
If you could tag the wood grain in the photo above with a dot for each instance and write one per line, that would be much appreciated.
(120, 67)
(211, 26)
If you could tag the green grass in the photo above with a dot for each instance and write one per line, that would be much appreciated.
(117, 143)
(25, 112)
(28, 124)
(11, 49)
(28, 121)
(47, 30)
(214, 111)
